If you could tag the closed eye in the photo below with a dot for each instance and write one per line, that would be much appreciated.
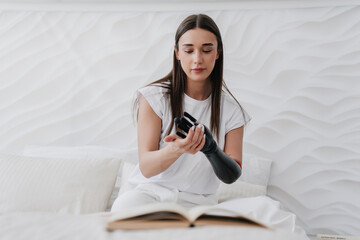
(205, 51)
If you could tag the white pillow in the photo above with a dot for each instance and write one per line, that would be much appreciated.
(256, 170)
(56, 185)
(88, 151)
(81, 152)
(252, 182)
(130, 160)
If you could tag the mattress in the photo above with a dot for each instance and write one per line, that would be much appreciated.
(37, 225)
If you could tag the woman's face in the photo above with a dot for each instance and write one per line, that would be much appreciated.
(197, 53)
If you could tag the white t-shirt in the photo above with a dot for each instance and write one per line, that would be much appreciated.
(189, 173)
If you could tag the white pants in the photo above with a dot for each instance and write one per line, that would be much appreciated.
(151, 193)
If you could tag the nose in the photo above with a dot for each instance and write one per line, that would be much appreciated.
(198, 58)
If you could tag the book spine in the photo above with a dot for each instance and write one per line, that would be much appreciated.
(336, 237)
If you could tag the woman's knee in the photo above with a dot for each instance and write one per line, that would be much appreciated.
(130, 199)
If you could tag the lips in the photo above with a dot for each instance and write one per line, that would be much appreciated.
(198, 70)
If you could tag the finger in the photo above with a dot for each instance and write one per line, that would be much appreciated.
(190, 117)
(170, 138)
(202, 130)
(202, 144)
(178, 121)
(186, 122)
(180, 135)
(181, 125)
(197, 135)
(188, 141)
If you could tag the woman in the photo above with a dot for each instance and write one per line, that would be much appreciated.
(172, 168)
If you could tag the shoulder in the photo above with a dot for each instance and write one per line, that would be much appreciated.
(233, 113)
(152, 90)
(156, 96)
(229, 102)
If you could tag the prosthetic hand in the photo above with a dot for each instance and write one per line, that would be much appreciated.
(225, 168)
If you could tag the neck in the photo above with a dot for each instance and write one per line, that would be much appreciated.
(198, 90)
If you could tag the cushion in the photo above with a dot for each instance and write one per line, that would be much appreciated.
(130, 160)
(86, 151)
(61, 185)
(252, 182)
(81, 152)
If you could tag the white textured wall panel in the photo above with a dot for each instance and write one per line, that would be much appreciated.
(68, 78)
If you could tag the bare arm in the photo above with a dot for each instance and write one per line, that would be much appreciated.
(153, 161)
(234, 144)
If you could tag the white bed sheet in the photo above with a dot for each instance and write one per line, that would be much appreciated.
(41, 225)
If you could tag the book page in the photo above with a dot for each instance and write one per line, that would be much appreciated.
(149, 210)
(206, 220)
(156, 220)
(195, 212)
(227, 211)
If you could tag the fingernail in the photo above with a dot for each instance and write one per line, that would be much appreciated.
(193, 128)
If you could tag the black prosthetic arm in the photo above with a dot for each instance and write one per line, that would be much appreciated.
(225, 168)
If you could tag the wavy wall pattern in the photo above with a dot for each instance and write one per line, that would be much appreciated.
(68, 78)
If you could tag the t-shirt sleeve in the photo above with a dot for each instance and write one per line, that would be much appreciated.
(155, 97)
(238, 117)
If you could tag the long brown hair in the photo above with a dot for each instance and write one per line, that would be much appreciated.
(175, 81)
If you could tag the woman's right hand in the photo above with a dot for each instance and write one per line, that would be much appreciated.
(192, 143)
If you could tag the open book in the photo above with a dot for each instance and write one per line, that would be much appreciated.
(172, 215)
